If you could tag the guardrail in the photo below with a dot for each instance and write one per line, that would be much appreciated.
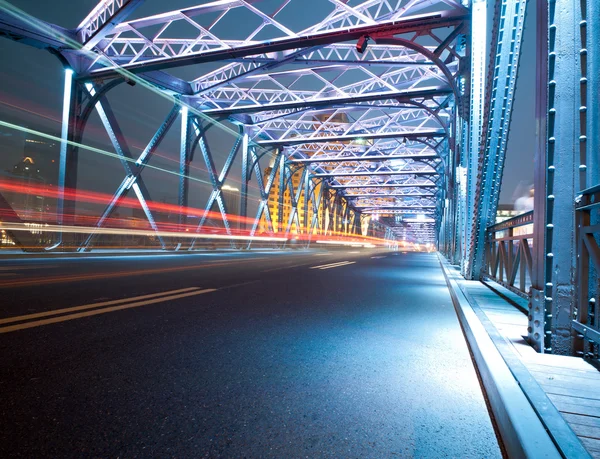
(508, 248)
(586, 324)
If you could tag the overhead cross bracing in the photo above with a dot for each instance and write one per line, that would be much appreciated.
(364, 98)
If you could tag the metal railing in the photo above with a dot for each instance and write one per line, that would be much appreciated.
(508, 249)
(586, 325)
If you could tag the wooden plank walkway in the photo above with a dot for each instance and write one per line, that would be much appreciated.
(571, 383)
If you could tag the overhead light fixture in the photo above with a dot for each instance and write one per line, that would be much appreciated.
(361, 44)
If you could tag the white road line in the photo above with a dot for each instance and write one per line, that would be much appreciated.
(339, 266)
(80, 315)
(92, 306)
(329, 264)
(376, 258)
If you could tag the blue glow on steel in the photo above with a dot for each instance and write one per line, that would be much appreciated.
(68, 89)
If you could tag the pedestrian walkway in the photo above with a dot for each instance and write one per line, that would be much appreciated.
(563, 390)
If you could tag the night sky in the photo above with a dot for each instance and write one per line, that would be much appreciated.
(32, 81)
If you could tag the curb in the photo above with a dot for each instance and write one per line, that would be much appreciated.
(522, 432)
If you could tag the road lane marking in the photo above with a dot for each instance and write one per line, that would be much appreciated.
(332, 265)
(79, 315)
(55, 312)
(328, 264)
(376, 258)
(339, 266)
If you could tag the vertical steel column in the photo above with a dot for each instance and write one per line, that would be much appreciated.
(67, 167)
(593, 126)
(306, 221)
(325, 209)
(462, 200)
(244, 181)
(593, 78)
(477, 85)
(283, 167)
(563, 140)
(586, 321)
(537, 304)
(500, 94)
(184, 165)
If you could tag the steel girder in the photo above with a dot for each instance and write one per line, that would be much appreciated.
(502, 76)
(566, 294)
(217, 179)
(103, 19)
(137, 50)
(398, 96)
(133, 168)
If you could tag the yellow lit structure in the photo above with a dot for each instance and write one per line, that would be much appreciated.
(314, 214)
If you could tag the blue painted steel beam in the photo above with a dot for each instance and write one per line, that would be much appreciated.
(502, 79)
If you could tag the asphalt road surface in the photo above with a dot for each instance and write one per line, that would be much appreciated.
(351, 354)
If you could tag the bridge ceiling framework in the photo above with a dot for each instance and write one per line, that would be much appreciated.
(365, 98)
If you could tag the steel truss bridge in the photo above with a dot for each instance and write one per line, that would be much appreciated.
(381, 111)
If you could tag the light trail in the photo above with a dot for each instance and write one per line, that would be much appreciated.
(189, 230)
(137, 232)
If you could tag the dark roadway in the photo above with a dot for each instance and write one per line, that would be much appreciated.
(236, 355)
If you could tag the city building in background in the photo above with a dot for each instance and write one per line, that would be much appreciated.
(36, 170)
(29, 206)
(293, 181)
